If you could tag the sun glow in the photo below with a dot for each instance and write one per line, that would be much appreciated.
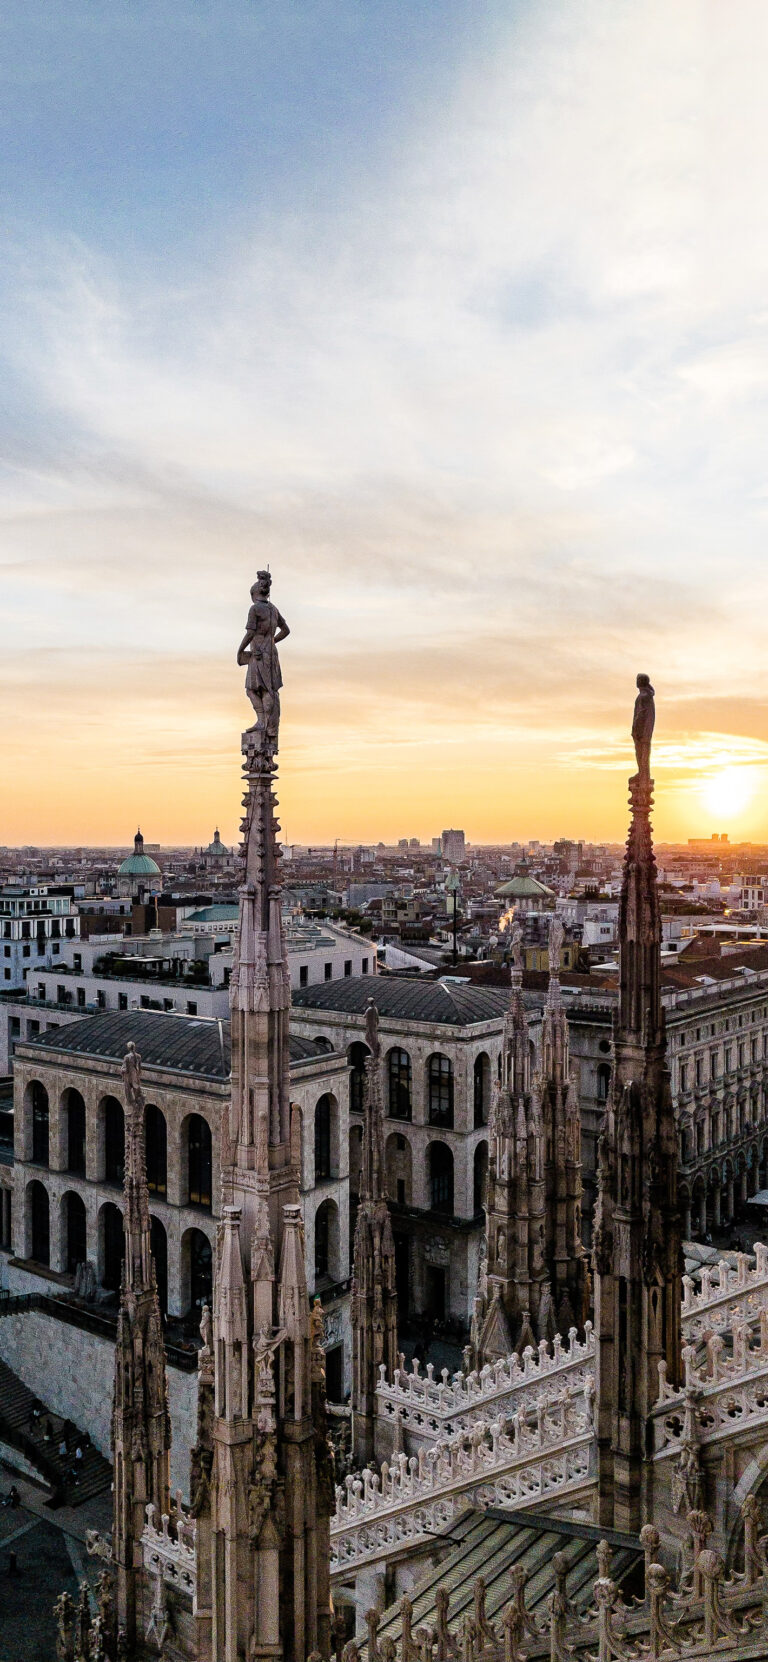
(726, 794)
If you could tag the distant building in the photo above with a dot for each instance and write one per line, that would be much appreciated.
(453, 847)
(139, 874)
(33, 922)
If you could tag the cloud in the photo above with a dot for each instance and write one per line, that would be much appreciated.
(493, 407)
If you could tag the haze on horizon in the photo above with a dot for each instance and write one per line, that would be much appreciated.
(458, 320)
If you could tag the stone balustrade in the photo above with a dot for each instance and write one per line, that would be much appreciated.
(711, 1616)
(723, 1290)
(430, 1406)
(168, 1547)
(537, 1454)
(723, 1395)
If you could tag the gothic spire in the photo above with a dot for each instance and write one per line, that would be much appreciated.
(141, 1427)
(637, 1245)
(374, 1295)
(270, 1507)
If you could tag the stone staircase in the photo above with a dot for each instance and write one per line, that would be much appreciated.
(20, 1431)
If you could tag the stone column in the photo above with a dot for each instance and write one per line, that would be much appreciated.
(703, 1212)
(716, 1206)
(743, 1186)
(57, 1235)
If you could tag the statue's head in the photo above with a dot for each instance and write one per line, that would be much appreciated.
(643, 681)
(262, 585)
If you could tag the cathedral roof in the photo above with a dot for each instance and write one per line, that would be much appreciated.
(407, 999)
(522, 887)
(183, 1044)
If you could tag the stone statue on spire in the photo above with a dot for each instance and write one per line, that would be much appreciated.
(258, 650)
(643, 722)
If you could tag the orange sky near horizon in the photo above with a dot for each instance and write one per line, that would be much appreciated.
(473, 352)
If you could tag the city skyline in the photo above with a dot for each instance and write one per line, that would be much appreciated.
(457, 323)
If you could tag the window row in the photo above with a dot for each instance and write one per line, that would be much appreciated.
(109, 1249)
(197, 1157)
(439, 1085)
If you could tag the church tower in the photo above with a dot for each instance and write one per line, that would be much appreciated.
(374, 1296)
(272, 1488)
(509, 1310)
(558, 1108)
(637, 1242)
(141, 1427)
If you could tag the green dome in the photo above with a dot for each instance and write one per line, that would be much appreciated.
(139, 864)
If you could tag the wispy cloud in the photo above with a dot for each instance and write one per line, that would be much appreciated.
(492, 404)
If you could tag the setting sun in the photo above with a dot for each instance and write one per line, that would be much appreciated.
(727, 793)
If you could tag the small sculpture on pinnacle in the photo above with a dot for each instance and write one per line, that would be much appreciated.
(258, 650)
(643, 723)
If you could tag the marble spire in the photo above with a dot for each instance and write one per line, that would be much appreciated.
(637, 1238)
(270, 1492)
(558, 1108)
(513, 1275)
(141, 1427)
(374, 1295)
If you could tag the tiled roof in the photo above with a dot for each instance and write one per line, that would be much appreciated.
(186, 1044)
(490, 1544)
(183, 1044)
(407, 998)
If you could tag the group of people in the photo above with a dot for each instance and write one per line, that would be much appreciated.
(67, 1437)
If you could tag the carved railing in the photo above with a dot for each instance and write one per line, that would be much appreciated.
(430, 1406)
(724, 1291)
(723, 1395)
(168, 1548)
(538, 1455)
(708, 1615)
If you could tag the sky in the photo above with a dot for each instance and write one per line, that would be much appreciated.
(454, 315)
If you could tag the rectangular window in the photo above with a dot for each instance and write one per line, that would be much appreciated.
(15, 1027)
(684, 1076)
(33, 1027)
(25, 951)
(81, 998)
(303, 975)
(61, 995)
(122, 1001)
(328, 971)
(191, 1007)
(101, 1000)
(365, 966)
(7, 974)
(347, 966)
(77, 960)
(698, 1070)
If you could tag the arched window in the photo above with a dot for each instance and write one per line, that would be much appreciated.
(479, 1178)
(399, 1169)
(357, 1056)
(76, 1250)
(323, 1139)
(112, 1246)
(482, 1081)
(40, 1120)
(400, 1085)
(158, 1241)
(39, 1223)
(441, 1179)
(440, 1090)
(603, 1081)
(74, 1112)
(156, 1144)
(200, 1270)
(200, 1162)
(114, 1141)
(326, 1241)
